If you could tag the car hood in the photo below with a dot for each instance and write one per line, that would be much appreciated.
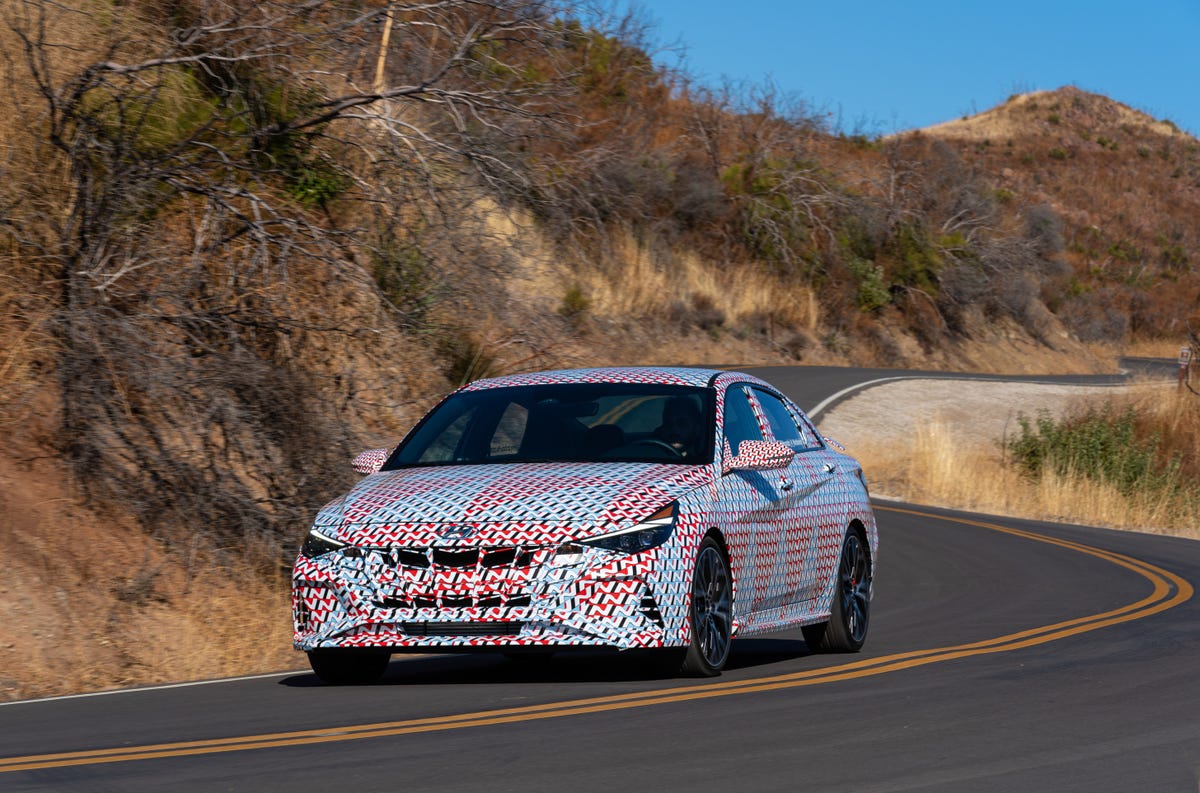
(504, 504)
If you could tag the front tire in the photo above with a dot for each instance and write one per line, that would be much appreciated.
(711, 613)
(847, 627)
(349, 666)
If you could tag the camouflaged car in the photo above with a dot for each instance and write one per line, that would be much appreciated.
(669, 508)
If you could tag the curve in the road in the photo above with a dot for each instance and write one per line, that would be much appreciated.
(1168, 590)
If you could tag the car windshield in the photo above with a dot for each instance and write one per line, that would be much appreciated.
(574, 422)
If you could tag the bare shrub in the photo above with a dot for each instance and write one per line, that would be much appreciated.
(797, 345)
(1044, 230)
(963, 284)
(1093, 317)
(1014, 295)
(207, 168)
(705, 313)
(698, 200)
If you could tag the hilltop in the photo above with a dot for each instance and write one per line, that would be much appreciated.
(1126, 188)
(1041, 112)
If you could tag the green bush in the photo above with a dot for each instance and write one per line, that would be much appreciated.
(1175, 258)
(1124, 251)
(1100, 444)
(872, 290)
(316, 181)
(1058, 154)
(919, 260)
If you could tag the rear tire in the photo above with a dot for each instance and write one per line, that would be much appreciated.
(847, 627)
(349, 666)
(711, 613)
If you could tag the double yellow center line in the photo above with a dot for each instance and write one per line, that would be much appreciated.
(1169, 590)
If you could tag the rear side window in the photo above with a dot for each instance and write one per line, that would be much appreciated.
(787, 423)
(783, 425)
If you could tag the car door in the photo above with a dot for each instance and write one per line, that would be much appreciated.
(809, 512)
(747, 511)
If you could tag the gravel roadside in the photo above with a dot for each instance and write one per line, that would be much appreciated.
(977, 412)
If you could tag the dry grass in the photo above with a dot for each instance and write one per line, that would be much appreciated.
(89, 602)
(937, 469)
(637, 284)
(28, 344)
(1154, 348)
(227, 622)
(936, 466)
(71, 32)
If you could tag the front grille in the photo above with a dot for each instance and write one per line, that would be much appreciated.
(456, 577)
(410, 557)
(454, 558)
(447, 557)
(504, 628)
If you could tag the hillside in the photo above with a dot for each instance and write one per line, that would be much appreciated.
(242, 242)
(1126, 188)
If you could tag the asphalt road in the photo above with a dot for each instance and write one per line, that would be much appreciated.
(1003, 656)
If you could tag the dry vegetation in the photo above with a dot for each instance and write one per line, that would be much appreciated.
(239, 241)
(1126, 188)
(950, 459)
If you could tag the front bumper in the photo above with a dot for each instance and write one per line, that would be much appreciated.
(446, 597)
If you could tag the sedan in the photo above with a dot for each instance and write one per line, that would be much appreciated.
(674, 509)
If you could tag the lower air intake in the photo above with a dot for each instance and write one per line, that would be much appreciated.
(501, 628)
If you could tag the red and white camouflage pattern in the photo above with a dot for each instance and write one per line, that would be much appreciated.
(370, 461)
(460, 556)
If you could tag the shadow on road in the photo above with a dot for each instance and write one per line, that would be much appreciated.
(566, 666)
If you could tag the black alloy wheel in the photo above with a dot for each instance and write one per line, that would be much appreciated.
(711, 613)
(846, 630)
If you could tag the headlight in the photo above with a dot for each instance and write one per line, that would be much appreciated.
(650, 533)
(317, 544)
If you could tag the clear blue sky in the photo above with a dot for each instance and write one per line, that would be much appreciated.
(881, 66)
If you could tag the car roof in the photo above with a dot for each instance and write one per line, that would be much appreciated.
(661, 375)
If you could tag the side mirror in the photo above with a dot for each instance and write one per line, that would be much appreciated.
(370, 461)
(760, 456)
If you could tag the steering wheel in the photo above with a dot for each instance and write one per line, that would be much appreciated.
(656, 442)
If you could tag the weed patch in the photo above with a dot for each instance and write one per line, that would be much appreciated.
(1100, 444)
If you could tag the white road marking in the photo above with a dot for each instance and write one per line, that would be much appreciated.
(163, 687)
